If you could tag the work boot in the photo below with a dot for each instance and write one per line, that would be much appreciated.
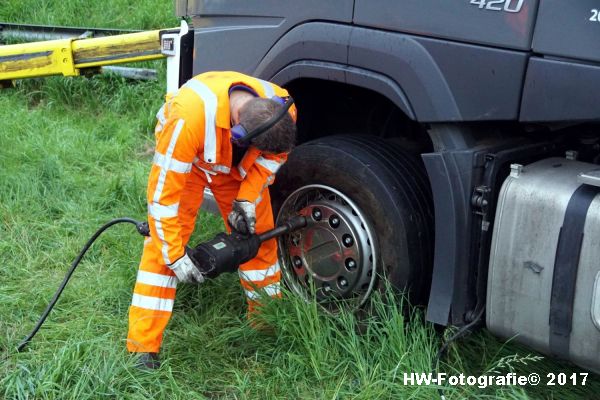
(259, 325)
(148, 361)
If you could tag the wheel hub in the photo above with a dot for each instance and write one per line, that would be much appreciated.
(334, 255)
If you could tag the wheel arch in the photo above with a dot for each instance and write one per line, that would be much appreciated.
(336, 72)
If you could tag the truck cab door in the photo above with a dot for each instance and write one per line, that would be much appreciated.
(502, 23)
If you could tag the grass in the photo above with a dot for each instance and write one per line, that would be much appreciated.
(117, 14)
(75, 153)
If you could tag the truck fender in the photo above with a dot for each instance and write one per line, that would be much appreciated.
(343, 73)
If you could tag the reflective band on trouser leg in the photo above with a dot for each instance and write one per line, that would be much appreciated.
(260, 282)
(256, 288)
(152, 302)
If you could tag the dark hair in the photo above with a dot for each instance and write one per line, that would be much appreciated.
(280, 138)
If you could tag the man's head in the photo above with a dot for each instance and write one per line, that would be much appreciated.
(279, 138)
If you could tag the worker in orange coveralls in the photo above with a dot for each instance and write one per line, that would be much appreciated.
(198, 145)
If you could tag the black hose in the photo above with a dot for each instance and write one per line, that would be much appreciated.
(142, 228)
(460, 333)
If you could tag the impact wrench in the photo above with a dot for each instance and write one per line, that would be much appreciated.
(224, 253)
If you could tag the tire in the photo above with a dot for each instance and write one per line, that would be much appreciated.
(380, 183)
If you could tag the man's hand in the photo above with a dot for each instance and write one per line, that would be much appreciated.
(243, 217)
(186, 271)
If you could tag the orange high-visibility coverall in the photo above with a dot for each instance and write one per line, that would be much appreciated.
(194, 151)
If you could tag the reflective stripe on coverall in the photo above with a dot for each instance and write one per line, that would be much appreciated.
(193, 151)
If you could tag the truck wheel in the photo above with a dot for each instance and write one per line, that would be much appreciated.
(371, 213)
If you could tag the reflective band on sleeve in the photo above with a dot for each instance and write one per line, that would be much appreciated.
(270, 180)
(160, 280)
(271, 165)
(210, 114)
(269, 92)
(271, 290)
(163, 172)
(258, 275)
(160, 115)
(152, 303)
(161, 237)
(158, 211)
(172, 164)
(242, 171)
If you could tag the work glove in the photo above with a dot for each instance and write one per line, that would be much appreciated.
(186, 271)
(243, 217)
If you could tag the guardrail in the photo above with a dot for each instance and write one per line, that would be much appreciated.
(32, 33)
(11, 33)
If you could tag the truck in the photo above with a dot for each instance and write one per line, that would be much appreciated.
(448, 148)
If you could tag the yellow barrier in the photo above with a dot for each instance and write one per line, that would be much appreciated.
(68, 56)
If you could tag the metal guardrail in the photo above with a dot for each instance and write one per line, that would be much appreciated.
(11, 32)
(32, 33)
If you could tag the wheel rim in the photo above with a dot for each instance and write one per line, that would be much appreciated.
(334, 259)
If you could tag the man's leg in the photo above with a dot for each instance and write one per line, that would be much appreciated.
(154, 291)
(152, 301)
(262, 273)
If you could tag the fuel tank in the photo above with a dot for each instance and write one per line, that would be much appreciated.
(544, 276)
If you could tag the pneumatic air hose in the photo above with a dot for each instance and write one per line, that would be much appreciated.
(142, 228)
(465, 330)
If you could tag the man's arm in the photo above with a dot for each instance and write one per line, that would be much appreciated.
(176, 147)
(260, 175)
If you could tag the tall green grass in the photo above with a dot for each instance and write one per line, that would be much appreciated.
(75, 153)
(116, 14)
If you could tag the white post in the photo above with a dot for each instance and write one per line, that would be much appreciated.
(171, 47)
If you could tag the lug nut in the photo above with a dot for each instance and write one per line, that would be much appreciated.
(343, 282)
(347, 240)
(297, 262)
(326, 288)
(350, 264)
(317, 214)
(334, 221)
